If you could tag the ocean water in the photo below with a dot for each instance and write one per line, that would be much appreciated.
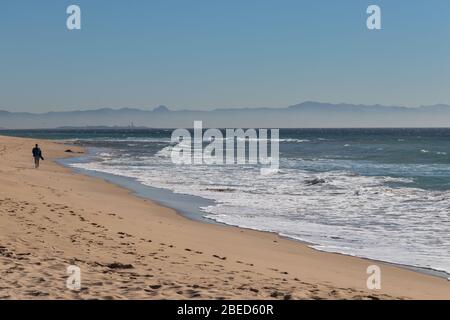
(382, 193)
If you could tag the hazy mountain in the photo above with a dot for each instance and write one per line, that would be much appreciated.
(304, 115)
(161, 109)
(343, 107)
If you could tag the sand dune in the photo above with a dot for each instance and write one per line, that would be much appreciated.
(131, 248)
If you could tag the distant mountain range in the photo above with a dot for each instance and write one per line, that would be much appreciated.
(308, 114)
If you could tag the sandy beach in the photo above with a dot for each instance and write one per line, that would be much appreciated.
(131, 248)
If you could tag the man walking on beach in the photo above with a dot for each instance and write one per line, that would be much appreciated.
(37, 155)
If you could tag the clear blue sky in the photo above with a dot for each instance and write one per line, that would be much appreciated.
(230, 53)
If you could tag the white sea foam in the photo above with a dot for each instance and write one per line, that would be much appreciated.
(105, 155)
(343, 212)
(247, 139)
(165, 152)
(133, 139)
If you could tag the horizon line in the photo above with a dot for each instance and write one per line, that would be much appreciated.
(188, 109)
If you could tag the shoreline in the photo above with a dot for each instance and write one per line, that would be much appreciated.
(227, 261)
(162, 197)
(147, 192)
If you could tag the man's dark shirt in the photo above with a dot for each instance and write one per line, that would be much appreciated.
(37, 152)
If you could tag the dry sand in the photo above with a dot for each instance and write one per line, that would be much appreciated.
(52, 217)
